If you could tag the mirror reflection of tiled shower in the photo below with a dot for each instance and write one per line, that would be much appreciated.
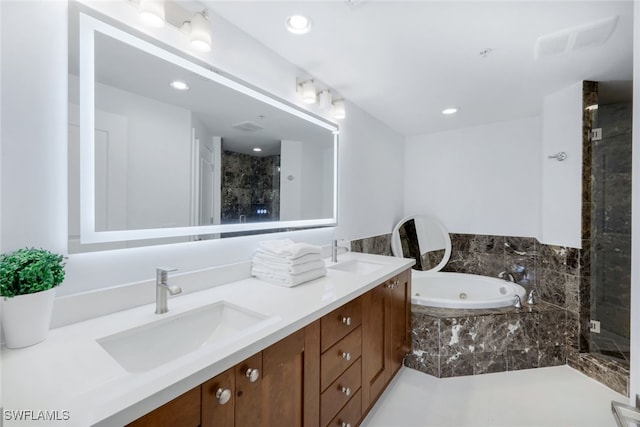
(611, 222)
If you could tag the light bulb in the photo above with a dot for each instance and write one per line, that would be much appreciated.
(201, 32)
(179, 85)
(308, 90)
(298, 24)
(324, 101)
(338, 110)
(152, 12)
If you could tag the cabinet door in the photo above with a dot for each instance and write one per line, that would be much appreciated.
(218, 400)
(184, 410)
(399, 294)
(249, 395)
(311, 405)
(375, 343)
(282, 382)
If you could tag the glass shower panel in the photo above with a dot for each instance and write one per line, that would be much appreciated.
(611, 232)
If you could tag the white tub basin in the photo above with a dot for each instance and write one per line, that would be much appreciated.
(357, 266)
(146, 347)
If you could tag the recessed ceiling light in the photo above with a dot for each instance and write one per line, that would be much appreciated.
(298, 24)
(178, 85)
(448, 111)
(257, 149)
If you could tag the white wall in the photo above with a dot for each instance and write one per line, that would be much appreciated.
(34, 126)
(371, 164)
(561, 182)
(635, 210)
(34, 149)
(478, 180)
(158, 158)
(290, 189)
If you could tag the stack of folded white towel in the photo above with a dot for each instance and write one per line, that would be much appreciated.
(284, 262)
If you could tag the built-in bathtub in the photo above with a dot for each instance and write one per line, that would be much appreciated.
(482, 332)
(464, 291)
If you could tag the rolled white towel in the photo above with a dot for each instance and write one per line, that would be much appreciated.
(277, 259)
(289, 280)
(261, 264)
(289, 249)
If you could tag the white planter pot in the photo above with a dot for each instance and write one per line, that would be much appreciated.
(26, 318)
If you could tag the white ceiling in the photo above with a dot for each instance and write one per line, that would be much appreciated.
(405, 61)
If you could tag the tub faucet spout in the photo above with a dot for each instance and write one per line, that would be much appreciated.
(506, 275)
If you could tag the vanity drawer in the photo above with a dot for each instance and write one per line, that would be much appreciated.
(343, 354)
(339, 323)
(340, 391)
(350, 414)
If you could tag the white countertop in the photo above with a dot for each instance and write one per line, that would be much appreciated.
(71, 372)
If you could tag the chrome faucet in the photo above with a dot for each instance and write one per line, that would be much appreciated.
(531, 299)
(163, 288)
(334, 250)
(517, 303)
(507, 276)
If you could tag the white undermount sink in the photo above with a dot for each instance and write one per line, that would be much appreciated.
(357, 266)
(146, 347)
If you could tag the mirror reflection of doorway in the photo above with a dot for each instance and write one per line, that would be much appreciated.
(206, 181)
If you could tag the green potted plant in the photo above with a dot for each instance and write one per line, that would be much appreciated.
(28, 278)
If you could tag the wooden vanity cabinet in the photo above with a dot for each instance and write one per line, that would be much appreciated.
(328, 373)
(184, 410)
(266, 389)
(341, 365)
(386, 334)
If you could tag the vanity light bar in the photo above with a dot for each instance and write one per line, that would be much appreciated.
(198, 29)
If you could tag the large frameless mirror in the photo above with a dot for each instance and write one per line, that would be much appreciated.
(163, 149)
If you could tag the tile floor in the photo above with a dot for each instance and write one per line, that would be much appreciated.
(545, 397)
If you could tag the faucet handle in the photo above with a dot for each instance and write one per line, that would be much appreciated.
(162, 273)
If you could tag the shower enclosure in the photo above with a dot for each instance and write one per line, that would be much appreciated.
(609, 232)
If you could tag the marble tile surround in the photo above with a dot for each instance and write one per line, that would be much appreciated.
(554, 272)
(455, 342)
(249, 182)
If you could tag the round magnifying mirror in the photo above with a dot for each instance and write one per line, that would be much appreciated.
(424, 239)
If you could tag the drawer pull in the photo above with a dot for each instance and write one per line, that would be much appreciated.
(223, 395)
(346, 356)
(346, 320)
(346, 424)
(346, 391)
(253, 375)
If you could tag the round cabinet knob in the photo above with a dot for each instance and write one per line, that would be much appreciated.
(346, 321)
(223, 395)
(346, 424)
(253, 375)
(346, 391)
(346, 356)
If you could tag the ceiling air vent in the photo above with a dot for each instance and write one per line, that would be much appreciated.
(587, 35)
(247, 126)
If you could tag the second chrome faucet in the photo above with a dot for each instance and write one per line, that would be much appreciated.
(163, 288)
